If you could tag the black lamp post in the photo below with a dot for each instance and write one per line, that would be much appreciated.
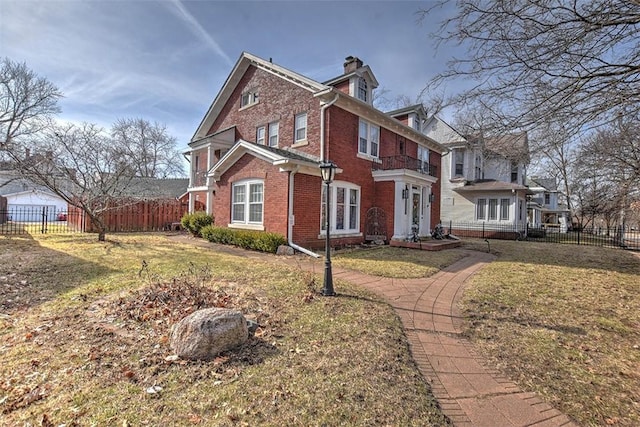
(328, 171)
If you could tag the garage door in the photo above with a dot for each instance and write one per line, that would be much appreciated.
(31, 213)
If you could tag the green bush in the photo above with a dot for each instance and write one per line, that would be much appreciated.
(247, 239)
(194, 222)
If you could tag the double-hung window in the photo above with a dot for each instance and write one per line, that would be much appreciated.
(458, 159)
(423, 159)
(362, 90)
(368, 138)
(260, 135)
(247, 202)
(345, 208)
(514, 172)
(493, 209)
(300, 127)
(273, 134)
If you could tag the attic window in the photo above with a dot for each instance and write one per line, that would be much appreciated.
(362, 90)
(249, 97)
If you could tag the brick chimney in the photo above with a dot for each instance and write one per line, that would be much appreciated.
(351, 63)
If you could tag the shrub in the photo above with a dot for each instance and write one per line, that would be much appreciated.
(247, 239)
(194, 222)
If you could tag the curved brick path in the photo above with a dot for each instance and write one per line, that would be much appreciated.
(469, 392)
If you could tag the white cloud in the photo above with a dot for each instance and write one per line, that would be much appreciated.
(199, 31)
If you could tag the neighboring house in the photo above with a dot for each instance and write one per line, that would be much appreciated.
(255, 158)
(482, 178)
(547, 205)
(27, 201)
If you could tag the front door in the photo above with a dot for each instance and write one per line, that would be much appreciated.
(415, 210)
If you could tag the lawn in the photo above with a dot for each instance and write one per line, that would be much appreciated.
(84, 329)
(399, 263)
(563, 321)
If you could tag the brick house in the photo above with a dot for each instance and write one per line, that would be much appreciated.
(255, 158)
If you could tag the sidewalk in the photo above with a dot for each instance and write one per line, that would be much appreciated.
(469, 391)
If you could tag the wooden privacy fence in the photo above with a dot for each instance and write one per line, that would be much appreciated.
(127, 216)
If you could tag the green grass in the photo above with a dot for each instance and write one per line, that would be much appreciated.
(400, 263)
(563, 321)
(73, 352)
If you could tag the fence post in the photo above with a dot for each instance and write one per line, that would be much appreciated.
(44, 217)
(579, 230)
(483, 229)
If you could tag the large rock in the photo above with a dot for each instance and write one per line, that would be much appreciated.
(206, 333)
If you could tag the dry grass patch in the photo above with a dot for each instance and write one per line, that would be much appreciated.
(563, 321)
(399, 263)
(88, 341)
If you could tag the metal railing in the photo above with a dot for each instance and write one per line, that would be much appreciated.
(198, 179)
(38, 219)
(405, 162)
(621, 237)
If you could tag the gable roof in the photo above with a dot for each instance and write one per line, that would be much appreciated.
(285, 159)
(156, 188)
(244, 62)
(360, 72)
(322, 91)
(417, 108)
(443, 132)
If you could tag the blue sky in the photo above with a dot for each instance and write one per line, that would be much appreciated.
(165, 61)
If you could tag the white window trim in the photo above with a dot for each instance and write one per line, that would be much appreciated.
(333, 205)
(362, 81)
(259, 140)
(487, 204)
(276, 126)
(297, 140)
(369, 126)
(246, 203)
(252, 98)
(453, 162)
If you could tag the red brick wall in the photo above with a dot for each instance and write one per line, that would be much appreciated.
(279, 101)
(276, 200)
(385, 199)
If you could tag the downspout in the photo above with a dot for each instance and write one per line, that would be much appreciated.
(290, 219)
(322, 110)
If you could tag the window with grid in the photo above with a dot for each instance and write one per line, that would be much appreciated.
(247, 202)
(260, 135)
(362, 90)
(274, 128)
(300, 127)
(345, 208)
(481, 209)
(368, 138)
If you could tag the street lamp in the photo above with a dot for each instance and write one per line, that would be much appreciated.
(328, 171)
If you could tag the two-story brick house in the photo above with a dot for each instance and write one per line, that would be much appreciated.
(255, 158)
(482, 178)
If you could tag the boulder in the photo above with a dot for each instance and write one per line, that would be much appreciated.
(285, 250)
(204, 334)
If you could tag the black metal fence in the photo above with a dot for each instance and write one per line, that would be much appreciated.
(620, 237)
(32, 220)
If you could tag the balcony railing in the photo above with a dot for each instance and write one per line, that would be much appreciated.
(198, 178)
(405, 162)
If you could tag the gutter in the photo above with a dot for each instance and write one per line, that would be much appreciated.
(290, 219)
(322, 110)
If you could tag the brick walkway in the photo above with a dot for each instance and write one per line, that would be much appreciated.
(469, 392)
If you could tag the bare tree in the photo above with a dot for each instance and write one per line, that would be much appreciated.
(537, 61)
(147, 148)
(615, 152)
(27, 102)
(80, 164)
